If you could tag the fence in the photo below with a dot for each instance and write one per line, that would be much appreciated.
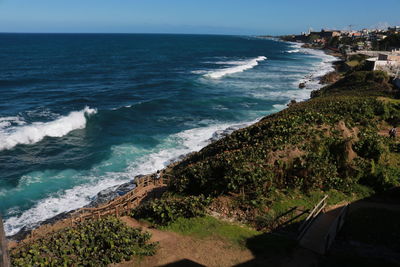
(310, 218)
(118, 206)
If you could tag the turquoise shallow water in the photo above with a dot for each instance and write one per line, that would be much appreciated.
(83, 112)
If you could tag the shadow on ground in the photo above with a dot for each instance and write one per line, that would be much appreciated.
(370, 236)
(183, 263)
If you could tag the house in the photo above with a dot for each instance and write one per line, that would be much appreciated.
(356, 34)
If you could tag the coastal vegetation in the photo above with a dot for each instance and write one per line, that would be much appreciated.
(166, 210)
(92, 243)
(336, 143)
(330, 142)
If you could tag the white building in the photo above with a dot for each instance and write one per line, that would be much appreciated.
(387, 61)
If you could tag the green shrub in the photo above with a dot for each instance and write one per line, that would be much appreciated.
(167, 210)
(377, 76)
(92, 243)
(381, 177)
(369, 146)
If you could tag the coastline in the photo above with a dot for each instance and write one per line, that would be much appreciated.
(337, 59)
(110, 193)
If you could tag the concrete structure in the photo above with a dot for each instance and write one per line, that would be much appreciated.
(385, 61)
(321, 234)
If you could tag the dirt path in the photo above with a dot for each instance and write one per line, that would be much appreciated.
(189, 251)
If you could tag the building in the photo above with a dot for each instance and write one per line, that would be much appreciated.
(326, 33)
(386, 61)
(394, 29)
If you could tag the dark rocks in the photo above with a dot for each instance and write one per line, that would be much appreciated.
(330, 77)
(223, 133)
(110, 193)
(302, 85)
(292, 102)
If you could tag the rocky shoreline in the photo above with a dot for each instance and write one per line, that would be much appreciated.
(111, 193)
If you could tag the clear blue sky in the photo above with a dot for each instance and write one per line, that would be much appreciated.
(190, 16)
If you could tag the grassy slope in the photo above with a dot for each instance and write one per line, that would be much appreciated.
(329, 143)
(233, 234)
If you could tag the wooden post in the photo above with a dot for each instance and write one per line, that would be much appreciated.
(4, 258)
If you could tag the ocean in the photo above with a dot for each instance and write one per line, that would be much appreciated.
(80, 113)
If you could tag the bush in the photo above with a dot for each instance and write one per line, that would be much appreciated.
(377, 76)
(369, 146)
(93, 243)
(381, 177)
(165, 211)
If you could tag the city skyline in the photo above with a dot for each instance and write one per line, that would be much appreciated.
(205, 17)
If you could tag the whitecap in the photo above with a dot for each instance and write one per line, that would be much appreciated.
(36, 131)
(240, 66)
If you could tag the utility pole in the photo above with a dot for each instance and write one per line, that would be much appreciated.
(4, 259)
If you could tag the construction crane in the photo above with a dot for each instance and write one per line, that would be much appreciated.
(351, 27)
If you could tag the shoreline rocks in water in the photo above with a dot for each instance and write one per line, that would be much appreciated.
(101, 198)
(113, 192)
(223, 133)
(330, 77)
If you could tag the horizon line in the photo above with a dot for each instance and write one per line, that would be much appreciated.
(149, 33)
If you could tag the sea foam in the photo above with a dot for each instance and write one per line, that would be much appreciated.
(240, 67)
(36, 131)
(78, 196)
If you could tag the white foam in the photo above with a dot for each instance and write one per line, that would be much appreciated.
(320, 69)
(78, 196)
(57, 203)
(9, 121)
(96, 180)
(36, 131)
(293, 51)
(240, 67)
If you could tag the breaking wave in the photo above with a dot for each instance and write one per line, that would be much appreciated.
(172, 149)
(240, 67)
(36, 131)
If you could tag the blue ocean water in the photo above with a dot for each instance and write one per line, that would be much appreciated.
(83, 112)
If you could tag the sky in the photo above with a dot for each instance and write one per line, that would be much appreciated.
(189, 16)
